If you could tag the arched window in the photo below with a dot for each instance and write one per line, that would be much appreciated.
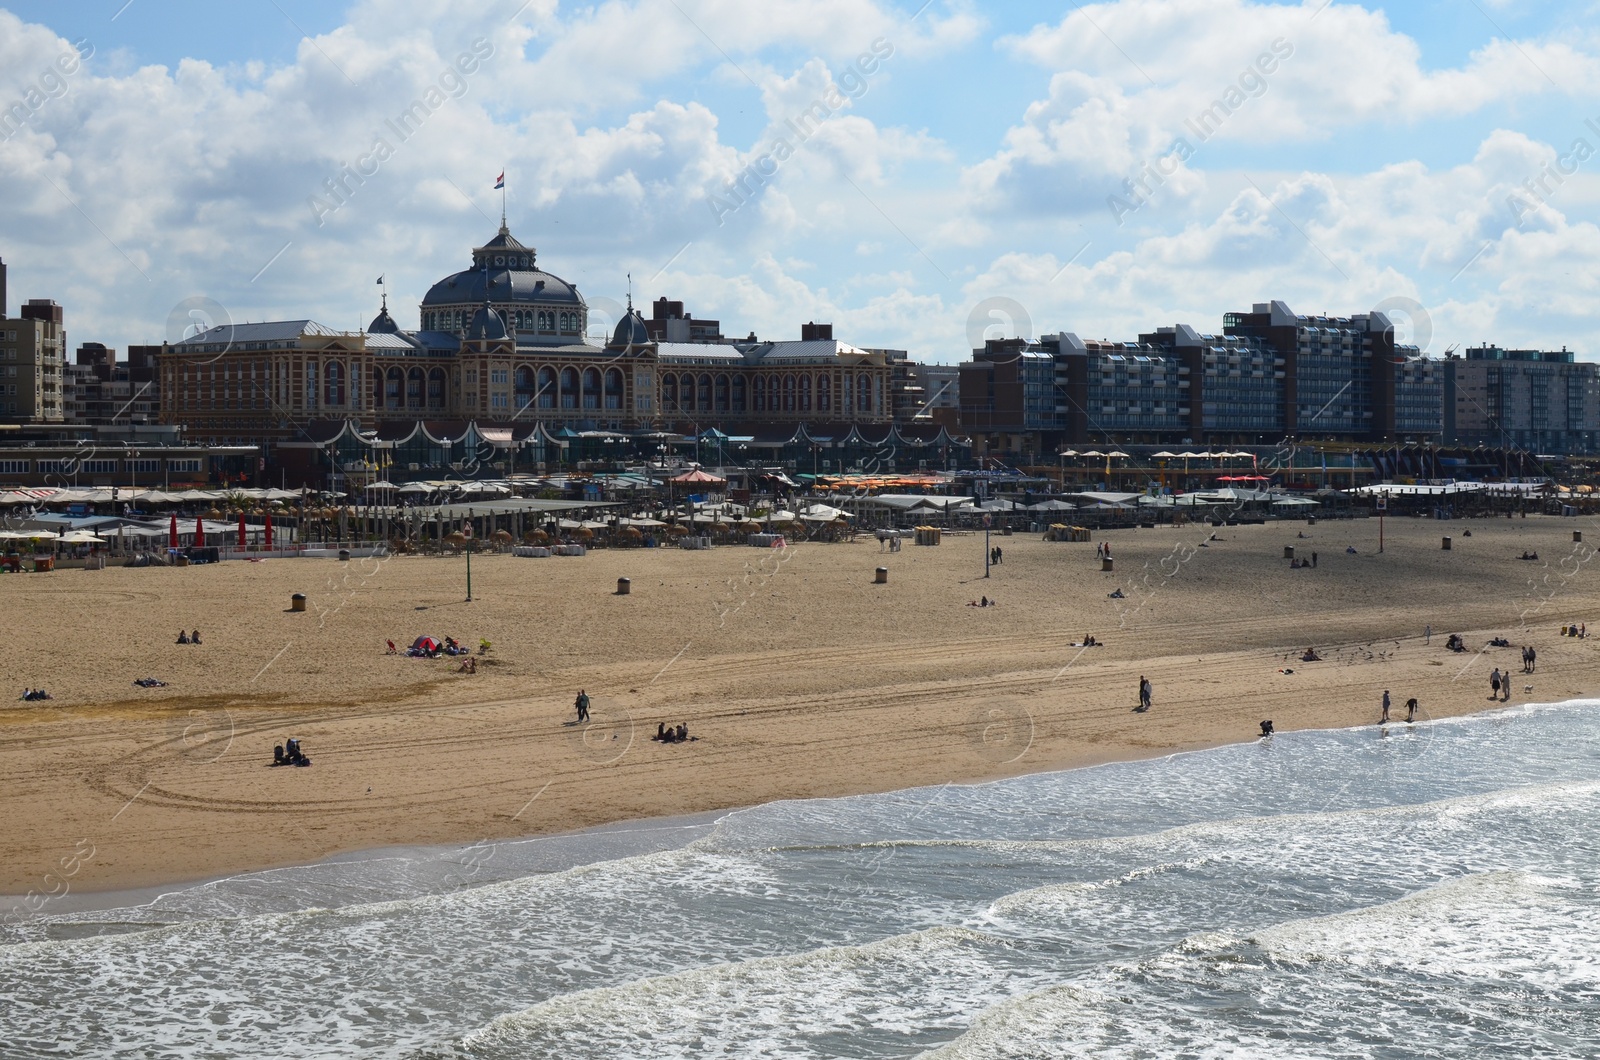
(377, 389)
(547, 388)
(333, 380)
(774, 400)
(566, 322)
(863, 393)
(669, 392)
(721, 393)
(414, 392)
(738, 394)
(805, 393)
(436, 388)
(591, 388)
(704, 401)
(311, 383)
(788, 393)
(394, 387)
(613, 388)
(824, 394)
(569, 388)
(545, 321)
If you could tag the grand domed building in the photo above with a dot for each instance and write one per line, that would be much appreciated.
(502, 347)
(543, 308)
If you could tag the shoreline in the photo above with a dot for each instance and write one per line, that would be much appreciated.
(800, 676)
(111, 895)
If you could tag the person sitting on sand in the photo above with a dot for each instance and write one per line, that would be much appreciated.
(468, 665)
(984, 602)
(1350, 550)
(681, 735)
(183, 637)
(661, 732)
(194, 638)
(1310, 655)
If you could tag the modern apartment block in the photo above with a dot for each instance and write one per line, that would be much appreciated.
(1545, 401)
(1270, 374)
(32, 361)
(101, 390)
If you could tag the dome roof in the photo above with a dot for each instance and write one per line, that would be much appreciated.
(383, 323)
(503, 271)
(631, 330)
(487, 326)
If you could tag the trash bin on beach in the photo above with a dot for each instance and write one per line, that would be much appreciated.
(881, 577)
(1106, 563)
(1577, 537)
(1288, 552)
(297, 602)
(1446, 545)
(624, 586)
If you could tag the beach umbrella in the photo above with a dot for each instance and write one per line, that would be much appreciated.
(241, 532)
(199, 531)
(172, 534)
(269, 531)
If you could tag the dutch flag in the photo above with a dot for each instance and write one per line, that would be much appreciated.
(500, 181)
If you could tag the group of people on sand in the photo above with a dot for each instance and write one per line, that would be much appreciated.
(1145, 691)
(996, 554)
(983, 601)
(1529, 555)
(1303, 564)
(1411, 709)
(289, 753)
(1310, 655)
(668, 734)
(31, 694)
(188, 638)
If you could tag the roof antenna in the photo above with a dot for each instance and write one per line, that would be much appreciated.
(630, 292)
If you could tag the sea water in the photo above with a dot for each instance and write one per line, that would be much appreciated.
(1425, 890)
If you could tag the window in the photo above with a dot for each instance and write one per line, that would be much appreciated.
(99, 467)
(14, 467)
(146, 467)
(189, 464)
(499, 375)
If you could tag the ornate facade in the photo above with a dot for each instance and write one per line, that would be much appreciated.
(503, 343)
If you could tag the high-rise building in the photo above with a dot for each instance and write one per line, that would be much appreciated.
(1544, 401)
(32, 361)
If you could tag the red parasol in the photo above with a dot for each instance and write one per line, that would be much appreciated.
(269, 532)
(242, 544)
(172, 532)
(199, 531)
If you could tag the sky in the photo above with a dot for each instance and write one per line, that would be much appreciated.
(921, 175)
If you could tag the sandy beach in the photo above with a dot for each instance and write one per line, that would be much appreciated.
(799, 675)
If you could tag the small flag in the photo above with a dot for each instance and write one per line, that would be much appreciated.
(380, 280)
(500, 181)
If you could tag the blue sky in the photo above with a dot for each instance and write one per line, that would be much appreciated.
(1383, 159)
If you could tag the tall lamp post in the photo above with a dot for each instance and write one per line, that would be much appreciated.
(470, 540)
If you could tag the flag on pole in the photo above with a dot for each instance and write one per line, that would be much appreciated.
(380, 280)
(500, 181)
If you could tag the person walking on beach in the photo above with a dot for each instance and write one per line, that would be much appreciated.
(582, 704)
(1144, 693)
(1411, 710)
(1533, 659)
(1385, 719)
(1427, 634)
(1494, 684)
